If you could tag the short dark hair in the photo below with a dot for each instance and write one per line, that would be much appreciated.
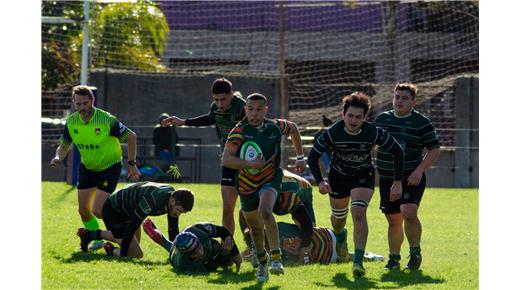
(82, 90)
(407, 87)
(256, 97)
(221, 86)
(184, 197)
(357, 100)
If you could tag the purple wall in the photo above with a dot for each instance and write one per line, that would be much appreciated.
(263, 15)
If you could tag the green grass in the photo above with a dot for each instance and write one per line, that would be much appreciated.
(449, 246)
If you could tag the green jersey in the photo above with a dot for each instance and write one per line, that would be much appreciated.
(414, 132)
(295, 190)
(351, 152)
(268, 137)
(224, 120)
(98, 140)
(206, 233)
(321, 247)
(142, 199)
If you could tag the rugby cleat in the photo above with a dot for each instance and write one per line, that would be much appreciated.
(109, 248)
(342, 250)
(358, 271)
(150, 229)
(276, 268)
(96, 245)
(262, 274)
(392, 265)
(414, 263)
(84, 236)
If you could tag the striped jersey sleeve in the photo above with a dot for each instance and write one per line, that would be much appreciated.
(429, 136)
(284, 126)
(384, 139)
(119, 130)
(235, 137)
(323, 143)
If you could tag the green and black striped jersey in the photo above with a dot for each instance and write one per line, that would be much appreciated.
(98, 140)
(414, 132)
(351, 152)
(142, 199)
(213, 259)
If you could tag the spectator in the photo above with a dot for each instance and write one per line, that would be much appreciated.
(165, 140)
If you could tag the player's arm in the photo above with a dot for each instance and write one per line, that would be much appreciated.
(215, 231)
(431, 142)
(202, 120)
(125, 135)
(303, 219)
(387, 142)
(296, 139)
(63, 148)
(173, 227)
(229, 156)
(322, 144)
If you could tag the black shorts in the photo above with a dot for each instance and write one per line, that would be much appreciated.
(105, 180)
(114, 221)
(229, 176)
(341, 185)
(411, 194)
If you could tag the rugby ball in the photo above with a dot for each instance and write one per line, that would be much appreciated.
(250, 151)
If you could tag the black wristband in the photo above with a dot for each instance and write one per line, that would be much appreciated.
(131, 163)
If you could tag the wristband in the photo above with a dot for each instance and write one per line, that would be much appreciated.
(300, 157)
(131, 163)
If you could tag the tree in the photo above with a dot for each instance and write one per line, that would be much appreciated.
(122, 35)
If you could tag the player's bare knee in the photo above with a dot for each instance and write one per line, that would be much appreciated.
(265, 213)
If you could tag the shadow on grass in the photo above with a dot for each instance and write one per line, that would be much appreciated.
(406, 278)
(88, 257)
(64, 194)
(340, 280)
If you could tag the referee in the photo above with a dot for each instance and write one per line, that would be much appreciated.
(98, 136)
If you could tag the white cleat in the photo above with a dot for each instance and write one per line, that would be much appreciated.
(276, 268)
(96, 245)
(261, 272)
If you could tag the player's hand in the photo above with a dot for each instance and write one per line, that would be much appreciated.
(133, 173)
(55, 162)
(396, 190)
(174, 120)
(415, 178)
(304, 257)
(258, 163)
(324, 187)
(227, 245)
(300, 166)
(237, 260)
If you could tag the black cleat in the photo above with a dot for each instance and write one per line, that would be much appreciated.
(392, 265)
(84, 236)
(414, 263)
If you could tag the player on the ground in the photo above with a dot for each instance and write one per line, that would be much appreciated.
(226, 110)
(295, 198)
(415, 133)
(352, 172)
(196, 249)
(322, 246)
(125, 210)
(258, 191)
(97, 135)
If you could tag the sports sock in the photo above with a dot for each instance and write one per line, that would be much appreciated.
(276, 255)
(92, 225)
(358, 256)
(95, 235)
(396, 258)
(166, 244)
(341, 237)
(415, 250)
(262, 257)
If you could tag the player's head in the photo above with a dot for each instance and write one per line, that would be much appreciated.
(256, 108)
(404, 98)
(222, 91)
(181, 201)
(355, 110)
(83, 100)
(188, 244)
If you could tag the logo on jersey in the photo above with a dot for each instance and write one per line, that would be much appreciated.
(122, 127)
(76, 131)
(105, 183)
(98, 130)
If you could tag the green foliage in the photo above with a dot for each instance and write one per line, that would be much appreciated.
(122, 35)
(449, 246)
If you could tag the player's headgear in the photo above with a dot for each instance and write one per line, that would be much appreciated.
(186, 242)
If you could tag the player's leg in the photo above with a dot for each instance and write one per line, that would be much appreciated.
(256, 226)
(360, 199)
(411, 199)
(267, 199)
(229, 198)
(339, 200)
(395, 224)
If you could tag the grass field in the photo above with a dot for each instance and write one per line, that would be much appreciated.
(449, 246)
